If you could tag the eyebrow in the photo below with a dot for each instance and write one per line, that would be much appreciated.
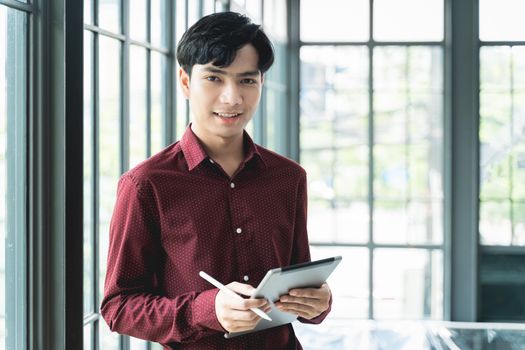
(223, 72)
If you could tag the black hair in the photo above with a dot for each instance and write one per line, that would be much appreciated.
(216, 38)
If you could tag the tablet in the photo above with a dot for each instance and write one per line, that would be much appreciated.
(279, 281)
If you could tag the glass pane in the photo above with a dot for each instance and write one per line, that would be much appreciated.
(138, 19)
(350, 110)
(352, 221)
(320, 21)
(495, 225)
(156, 346)
(88, 11)
(495, 176)
(390, 172)
(334, 96)
(411, 67)
(107, 340)
(275, 20)
(425, 170)
(13, 138)
(250, 8)
(518, 62)
(208, 7)
(138, 344)
(109, 15)
(88, 334)
(321, 221)
(350, 300)
(181, 119)
(396, 20)
(495, 68)
(408, 284)
(501, 20)
(158, 100)
(414, 222)
(518, 172)
(390, 118)
(158, 23)
(518, 219)
(408, 96)
(319, 166)
(88, 175)
(180, 20)
(334, 67)
(109, 143)
(138, 111)
(193, 12)
(351, 163)
(276, 111)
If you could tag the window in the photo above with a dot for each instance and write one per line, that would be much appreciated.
(371, 140)
(127, 84)
(14, 26)
(502, 160)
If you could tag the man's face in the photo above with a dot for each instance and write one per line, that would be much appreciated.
(223, 100)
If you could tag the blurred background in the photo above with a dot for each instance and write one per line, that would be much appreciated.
(408, 116)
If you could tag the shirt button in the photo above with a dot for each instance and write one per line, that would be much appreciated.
(239, 230)
(232, 185)
(246, 278)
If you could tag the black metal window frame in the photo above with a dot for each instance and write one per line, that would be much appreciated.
(371, 44)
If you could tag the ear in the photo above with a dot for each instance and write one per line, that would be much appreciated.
(262, 79)
(184, 81)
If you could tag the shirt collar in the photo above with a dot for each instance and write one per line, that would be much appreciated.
(194, 151)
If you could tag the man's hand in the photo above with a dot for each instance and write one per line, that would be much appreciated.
(234, 314)
(307, 303)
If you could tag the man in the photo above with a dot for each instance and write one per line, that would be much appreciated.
(214, 201)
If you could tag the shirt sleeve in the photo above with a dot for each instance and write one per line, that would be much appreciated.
(132, 303)
(301, 251)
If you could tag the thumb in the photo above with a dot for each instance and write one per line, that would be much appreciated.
(241, 288)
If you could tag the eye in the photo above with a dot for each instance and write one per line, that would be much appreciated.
(212, 78)
(249, 81)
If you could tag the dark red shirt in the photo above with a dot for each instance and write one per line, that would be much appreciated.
(178, 213)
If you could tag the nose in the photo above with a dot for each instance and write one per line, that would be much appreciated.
(231, 95)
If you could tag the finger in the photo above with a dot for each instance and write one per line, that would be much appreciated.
(301, 310)
(241, 288)
(246, 304)
(267, 308)
(314, 303)
(314, 293)
(243, 316)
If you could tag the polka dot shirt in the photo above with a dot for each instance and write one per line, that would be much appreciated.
(178, 213)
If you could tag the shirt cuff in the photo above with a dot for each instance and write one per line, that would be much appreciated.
(204, 311)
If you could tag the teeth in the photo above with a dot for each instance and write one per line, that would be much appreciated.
(227, 115)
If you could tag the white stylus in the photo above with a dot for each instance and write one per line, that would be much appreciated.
(230, 292)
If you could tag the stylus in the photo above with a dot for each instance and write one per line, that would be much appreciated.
(230, 292)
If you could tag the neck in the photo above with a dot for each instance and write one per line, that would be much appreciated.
(219, 148)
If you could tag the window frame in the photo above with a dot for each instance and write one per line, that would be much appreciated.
(16, 267)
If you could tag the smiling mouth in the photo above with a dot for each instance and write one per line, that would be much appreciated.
(227, 115)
